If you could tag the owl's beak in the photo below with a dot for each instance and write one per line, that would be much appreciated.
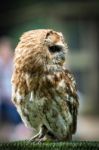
(62, 56)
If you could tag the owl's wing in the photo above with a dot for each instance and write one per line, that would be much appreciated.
(19, 88)
(72, 98)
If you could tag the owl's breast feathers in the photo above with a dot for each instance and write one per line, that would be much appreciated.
(50, 85)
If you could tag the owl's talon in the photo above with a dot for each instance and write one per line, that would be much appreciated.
(38, 140)
(42, 140)
(33, 139)
(39, 137)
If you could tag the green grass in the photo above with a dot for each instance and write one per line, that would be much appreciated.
(25, 145)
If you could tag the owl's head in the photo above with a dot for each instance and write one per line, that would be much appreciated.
(38, 48)
(56, 48)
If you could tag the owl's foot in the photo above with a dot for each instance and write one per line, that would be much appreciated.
(34, 138)
(40, 140)
(40, 136)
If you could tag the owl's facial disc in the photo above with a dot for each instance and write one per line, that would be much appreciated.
(56, 47)
(57, 53)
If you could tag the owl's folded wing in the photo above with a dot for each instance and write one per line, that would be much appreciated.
(72, 98)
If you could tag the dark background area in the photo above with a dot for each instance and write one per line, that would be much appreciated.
(78, 20)
(14, 13)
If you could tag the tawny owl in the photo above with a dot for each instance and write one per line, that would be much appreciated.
(43, 90)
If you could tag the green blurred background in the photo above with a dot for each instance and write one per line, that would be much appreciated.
(79, 23)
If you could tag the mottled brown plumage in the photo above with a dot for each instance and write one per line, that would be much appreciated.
(43, 91)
